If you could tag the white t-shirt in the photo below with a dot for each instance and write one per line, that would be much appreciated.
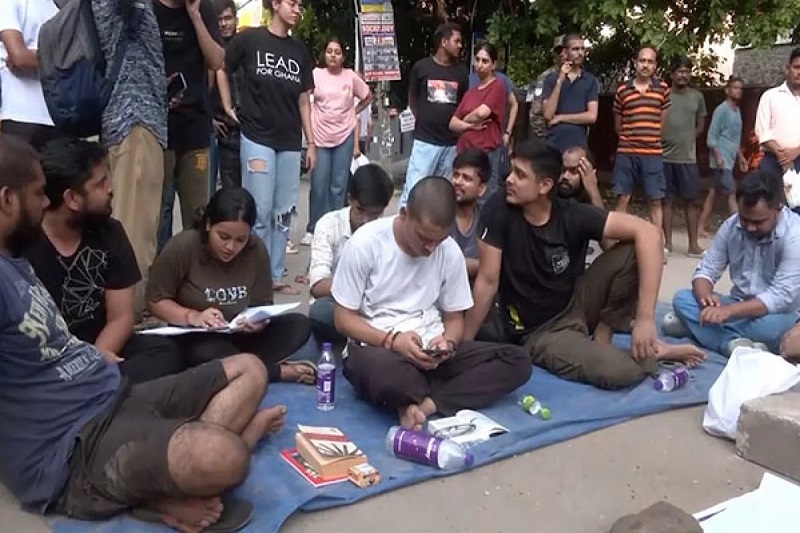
(23, 100)
(393, 290)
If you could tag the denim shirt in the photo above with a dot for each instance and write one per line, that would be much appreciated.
(766, 268)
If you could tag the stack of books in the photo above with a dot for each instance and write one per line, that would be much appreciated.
(323, 455)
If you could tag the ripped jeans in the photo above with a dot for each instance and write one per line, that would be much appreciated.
(273, 178)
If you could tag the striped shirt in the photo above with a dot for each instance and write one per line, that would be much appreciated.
(640, 133)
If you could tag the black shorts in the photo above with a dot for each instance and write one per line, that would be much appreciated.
(120, 459)
(682, 179)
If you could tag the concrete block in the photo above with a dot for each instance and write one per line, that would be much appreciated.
(768, 433)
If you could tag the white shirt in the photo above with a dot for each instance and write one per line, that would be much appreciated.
(23, 100)
(393, 290)
(330, 235)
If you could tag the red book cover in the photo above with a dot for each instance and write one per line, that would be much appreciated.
(300, 465)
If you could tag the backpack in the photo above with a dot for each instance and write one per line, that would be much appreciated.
(76, 81)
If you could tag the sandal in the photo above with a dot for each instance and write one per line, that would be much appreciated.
(301, 279)
(236, 514)
(305, 378)
(285, 289)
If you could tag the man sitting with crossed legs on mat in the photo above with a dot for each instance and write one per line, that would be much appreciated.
(401, 290)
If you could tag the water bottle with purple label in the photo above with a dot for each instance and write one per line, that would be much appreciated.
(326, 379)
(669, 379)
(426, 449)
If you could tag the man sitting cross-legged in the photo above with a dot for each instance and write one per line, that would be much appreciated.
(401, 290)
(74, 438)
(369, 192)
(761, 248)
(532, 255)
(85, 260)
(471, 171)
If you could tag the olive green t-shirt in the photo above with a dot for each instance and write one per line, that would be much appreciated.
(679, 136)
(186, 272)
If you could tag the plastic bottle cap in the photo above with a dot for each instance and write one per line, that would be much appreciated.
(469, 459)
(658, 384)
(327, 346)
(527, 401)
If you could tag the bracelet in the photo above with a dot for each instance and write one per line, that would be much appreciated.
(394, 338)
(386, 338)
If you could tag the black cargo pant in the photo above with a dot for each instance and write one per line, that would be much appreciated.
(479, 374)
(608, 293)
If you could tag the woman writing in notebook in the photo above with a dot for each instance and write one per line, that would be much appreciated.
(208, 274)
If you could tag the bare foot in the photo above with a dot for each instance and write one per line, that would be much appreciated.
(689, 354)
(703, 234)
(412, 417)
(272, 419)
(298, 372)
(695, 252)
(191, 515)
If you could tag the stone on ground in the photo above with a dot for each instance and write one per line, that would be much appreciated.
(661, 517)
(768, 433)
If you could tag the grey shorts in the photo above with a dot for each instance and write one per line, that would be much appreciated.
(120, 458)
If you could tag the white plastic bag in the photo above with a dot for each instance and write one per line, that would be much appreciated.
(749, 374)
(358, 162)
(791, 187)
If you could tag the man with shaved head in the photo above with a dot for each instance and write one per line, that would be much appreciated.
(401, 290)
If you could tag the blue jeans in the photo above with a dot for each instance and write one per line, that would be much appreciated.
(767, 329)
(273, 178)
(329, 181)
(321, 315)
(769, 163)
(427, 160)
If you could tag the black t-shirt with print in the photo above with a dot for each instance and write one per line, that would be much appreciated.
(540, 264)
(103, 261)
(275, 71)
(190, 122)
(436, 90)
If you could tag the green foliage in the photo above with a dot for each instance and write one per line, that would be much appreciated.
(616, 28)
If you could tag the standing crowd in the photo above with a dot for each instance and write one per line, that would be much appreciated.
(444, 306)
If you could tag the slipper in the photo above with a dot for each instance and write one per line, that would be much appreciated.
(285, 289)
(236, 514)
(302, 279)
(304, 376)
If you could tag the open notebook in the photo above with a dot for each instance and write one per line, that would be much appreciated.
(251, 314)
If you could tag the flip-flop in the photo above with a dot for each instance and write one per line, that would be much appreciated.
(285, 289)
(236, 514)
(304, 364)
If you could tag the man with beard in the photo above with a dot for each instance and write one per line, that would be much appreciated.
(87, 264)
(761, 248)
(75, 438)
(685, 122)
(724, 144)
(471, 170)
(532, 256)
(570, 97)
(579, 181)
(226, 129)
(369, 192)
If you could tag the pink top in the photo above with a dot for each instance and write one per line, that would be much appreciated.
(778, 117)
(334, 112)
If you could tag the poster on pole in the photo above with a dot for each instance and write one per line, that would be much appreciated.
(379, 41)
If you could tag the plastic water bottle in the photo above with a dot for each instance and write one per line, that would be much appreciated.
(669, 379)
(426, 449)
(534, 407)
(326, 379)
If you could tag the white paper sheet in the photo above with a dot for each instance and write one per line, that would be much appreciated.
(772, 508)
(251, 314)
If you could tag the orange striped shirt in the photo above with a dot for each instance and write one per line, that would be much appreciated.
(640, 133)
